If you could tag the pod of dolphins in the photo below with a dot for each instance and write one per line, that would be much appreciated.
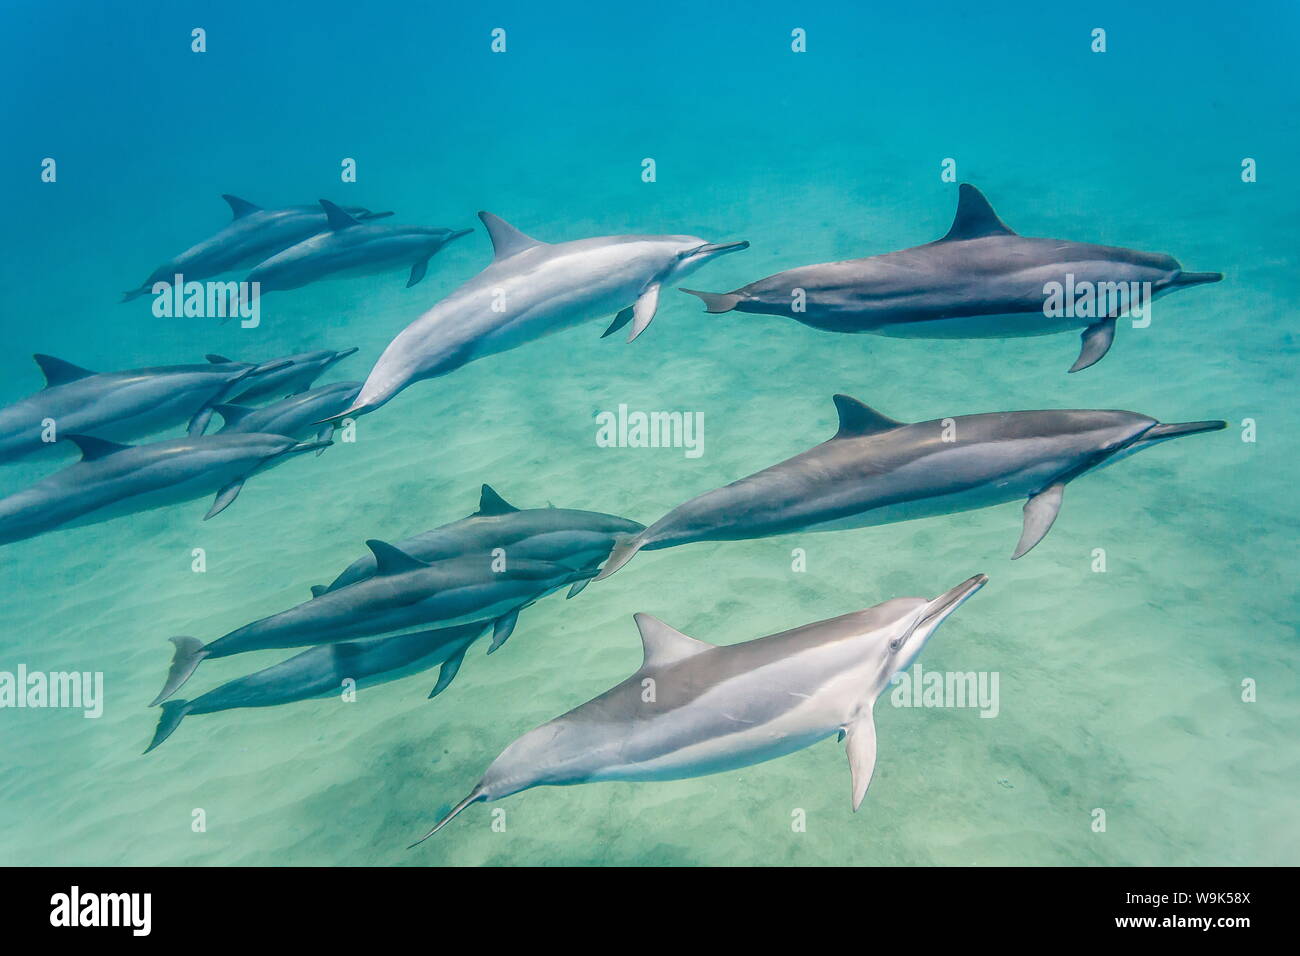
(421, 602)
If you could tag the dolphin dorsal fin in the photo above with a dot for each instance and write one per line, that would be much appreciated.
(506, 239)
(975, 217)
(59, 372)
(390, 560)
(216, 359)
(232, 414)
(240, 207)
(859, 419)
(92, 448)
(663, 644)
(336, 217)
(491, 503)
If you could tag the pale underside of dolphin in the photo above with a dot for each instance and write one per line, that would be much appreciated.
(121, 406)
(876, 470)
(113, 480)
(320, 672)
(350, 247)
(576, 539)
(981, 280)
(694, 709)
(403, 593)
(533, 289)
(254, 234)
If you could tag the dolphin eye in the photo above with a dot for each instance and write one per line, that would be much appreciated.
(895, 644)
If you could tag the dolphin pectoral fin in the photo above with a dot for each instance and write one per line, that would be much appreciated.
(839, 738)
(861, 748)
(447, 673)
(417, 271)
(504, 627)
(620, 320)
(325, 434)
(224, 498)
(189, 653)
(173, 712)
(1096, 343)
(576, 589)
(1040, 511)
(644, 310)
(199, 423)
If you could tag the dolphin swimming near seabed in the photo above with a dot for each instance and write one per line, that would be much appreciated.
(403, 593)
(715, 709)
(576, 539)
(876, 470)
(981, 280)
(254, 234)
(351, 247)
(320, 671)
(533, 289)
(295, 416)
(113, 480)
(296, 374)
(121, 406)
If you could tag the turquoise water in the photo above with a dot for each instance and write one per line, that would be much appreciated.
(1119, 690)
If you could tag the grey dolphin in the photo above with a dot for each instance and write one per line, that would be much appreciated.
(403, 593)
(293, 374)
(351, 247)
(253, 235)
(320, 671)
(113, 480)
(576, 539)
(120, 406)
(295, 416)
(876, 470)
(980, 280)
(694, 709)
(533, 289)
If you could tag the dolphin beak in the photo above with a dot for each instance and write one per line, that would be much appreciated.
(710, 249)
(340, 356)
(949, 601)
(1178, 429)
(1195, 278)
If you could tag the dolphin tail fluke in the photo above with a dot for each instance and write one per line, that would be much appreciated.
(190, 652)
(625, 547)
(1096, 342)
(173, 712)
(475, 795)
(716, 301)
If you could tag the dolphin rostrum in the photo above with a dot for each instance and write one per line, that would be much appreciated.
(113, 480)
(980, 280)
(403, 593)
(296, 416)
(533, 289)
(252, 236)
(876, 470)
(694, 709)
(320, 671)
(351, 247)
(576, 539)
(121, 406)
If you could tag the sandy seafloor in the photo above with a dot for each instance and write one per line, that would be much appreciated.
(1119, 690)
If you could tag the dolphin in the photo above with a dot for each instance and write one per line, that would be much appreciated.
(121, 406)
(403, 593)
(576, 539)
(980, 280)
(876, 470)
(253, 235)
(293, 416)
(296, 373)
(112, 480)
(351, 247)
(319, 673)
(694, 709)
(533, 289)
